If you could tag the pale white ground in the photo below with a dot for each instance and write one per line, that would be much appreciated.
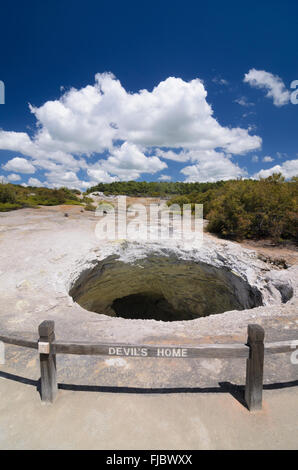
(90, 420)
(41, 254)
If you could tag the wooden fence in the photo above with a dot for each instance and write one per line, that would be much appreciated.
(254, 351)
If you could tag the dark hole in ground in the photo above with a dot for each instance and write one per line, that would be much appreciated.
(148, 306)
(162, 288)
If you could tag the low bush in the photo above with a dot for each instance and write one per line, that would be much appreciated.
(7, 194)
(240, 209)
(8, 206)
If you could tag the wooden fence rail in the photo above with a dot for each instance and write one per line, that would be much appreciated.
(254, 351)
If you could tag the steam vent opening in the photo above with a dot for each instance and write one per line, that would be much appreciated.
(161, 288)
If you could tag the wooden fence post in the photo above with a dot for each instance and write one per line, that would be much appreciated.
(254, 367)
(47, 361)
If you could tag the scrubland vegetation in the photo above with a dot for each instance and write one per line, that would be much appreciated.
(16, 197)
(250, 209)
(235, 209)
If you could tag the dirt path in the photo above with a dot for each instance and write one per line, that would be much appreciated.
(93, 420)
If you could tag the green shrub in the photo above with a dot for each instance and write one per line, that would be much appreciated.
(7, 206)
(7, 193)
(239, 209)
(87, 200)
(71, 202)
(256, 209)
(180, 200)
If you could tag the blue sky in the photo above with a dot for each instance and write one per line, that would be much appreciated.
(198, 120)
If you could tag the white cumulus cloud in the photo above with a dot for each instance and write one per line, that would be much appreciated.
(35, 182)
(127, 134)
(212, 167)
(288, 169)
(165, 178)
(273, 84)
(13, 177)
(19, 165)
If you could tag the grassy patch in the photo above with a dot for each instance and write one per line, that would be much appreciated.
(8, 206)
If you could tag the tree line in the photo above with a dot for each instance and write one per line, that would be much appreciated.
(153, 188)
